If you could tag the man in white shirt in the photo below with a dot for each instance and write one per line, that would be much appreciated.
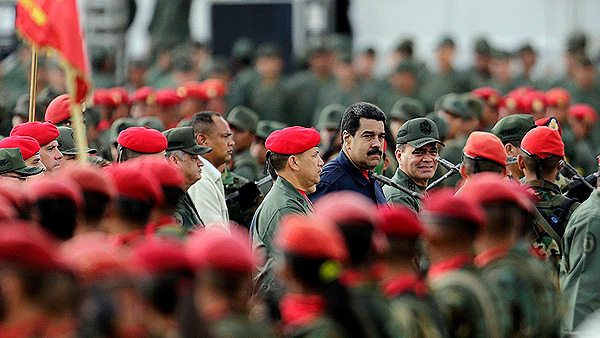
(208, 194)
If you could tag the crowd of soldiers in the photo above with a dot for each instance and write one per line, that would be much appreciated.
(210, 206)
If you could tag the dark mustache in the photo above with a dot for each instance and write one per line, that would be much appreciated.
(375, 151)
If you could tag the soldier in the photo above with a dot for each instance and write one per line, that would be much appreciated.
(208, 194)
(413, 310)
(416, 151)
(140, 141)
(183, 152)
(579, 270)
(585, 84)
(403, 110)
(521, 282)
(109, 150)
(510, 130)
(214, 90)
(491, 99)
(451, 226)
(30, 149)
(479, 75)
(66, 145)
(59, 111)
(193, 99)
(558, 101)
(296, 166)
(502, 73)
(528, 58)
(142, 102)
(483, 152)
(461, 122)
(167, 105)
(582, 119)
(329, 128)
(12, 166)
(223, 265)
(45, 133)
(243, 122)
(316, 305)
(355, 217)
(542, 151)
(363, 134)
(138, 192)
(401, 83)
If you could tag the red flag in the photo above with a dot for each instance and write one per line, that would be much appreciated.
(54, 24)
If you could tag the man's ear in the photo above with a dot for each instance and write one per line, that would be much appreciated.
(173, 159)
(463, 171)
(508, 148)
(520, 162)
(293, 163)
(398, 154)
(201, 139)
(346, 137)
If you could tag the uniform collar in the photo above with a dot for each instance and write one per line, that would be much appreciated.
(543, 184)
(353, 170)
(300, 310)
(405, 283)
(210, 170)
(490, 255)
(450, 264)
(403, 177)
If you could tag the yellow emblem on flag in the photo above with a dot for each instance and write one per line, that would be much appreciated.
(36, 12)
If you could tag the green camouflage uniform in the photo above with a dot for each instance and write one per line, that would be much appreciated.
(393, 195)
(238, 326)
(281, 200)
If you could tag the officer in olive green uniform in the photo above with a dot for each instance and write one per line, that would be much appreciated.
(542, 149)
(401, 83)
(181, 142)
(479, 75)
(243, 122)
(581, 264)
(288, 194)
(510, 130)
(416, 149)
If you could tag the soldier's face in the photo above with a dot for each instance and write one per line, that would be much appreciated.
(309, 164)
(51, 156)
(418, 163)
(221, 142)
(35, 161)
(191, 167)
(365, 148)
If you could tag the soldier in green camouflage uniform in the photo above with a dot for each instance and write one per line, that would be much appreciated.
(416, 149)
(542, 150)
(510, 130)
(243, 122)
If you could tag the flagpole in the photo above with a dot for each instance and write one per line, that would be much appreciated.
(33, 82)
(76, 117)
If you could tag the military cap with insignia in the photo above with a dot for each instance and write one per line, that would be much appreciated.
(266, 127)
(543, 142)
(58, 110)
(331, 117)
(243, 119)
(43, 132)
(144, 94)
(407, 108)
(490, 95)
(558, 97)
(513, 127)
(418, 132)
(12, 161)
(583, 113)
(551, 122)
(182, 138)
(66, 142)
(474, 104)
(167, 97)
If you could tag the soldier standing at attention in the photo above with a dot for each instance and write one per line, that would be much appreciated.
(363, 134)
(416, 149)
(243, 123)
(511, 130)
(294, 160)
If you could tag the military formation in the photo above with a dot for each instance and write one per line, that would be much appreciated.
(431, 204)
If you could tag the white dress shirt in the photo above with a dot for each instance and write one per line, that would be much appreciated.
(208, 195)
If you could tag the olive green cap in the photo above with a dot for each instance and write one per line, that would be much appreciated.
(500, 54)
(151, 122)
(482, 46)
(474, 104)
(453, 104)
(576, 42)
(331, 117)
(66, 142)
(243, 119)
(407, 108)
(440, 122)
(265, 128)
(513, 127)
(243, 48)
(11, 160)
(182, 138)
(418, 132)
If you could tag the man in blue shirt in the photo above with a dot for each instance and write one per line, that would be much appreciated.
(363, 134)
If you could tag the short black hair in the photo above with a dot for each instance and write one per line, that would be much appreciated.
(172, 197)
(203, 122)
(95, 205)
(276, 162)
(58, 215)
(352, 115)
(546, 166)
(126, 154)
(480, 165)
(135, 212)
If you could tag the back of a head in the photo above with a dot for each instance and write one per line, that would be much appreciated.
(203, 122)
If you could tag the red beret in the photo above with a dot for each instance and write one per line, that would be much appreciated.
(159, 255)
(112, 97)
(28, 145)
(486, 145)
(90, 179)
(583, 113)
(144, 94)
(532, 102)
(143, 140)
(398, 221)
(490, 95)
(120, 95)
(513, 98)
(167, 174)
(15, 195)
(43, 132)
(167, 98)
(7, 210)
(311, 237)
(558, 97)
(444, 205)
(130, 182)
(215, 249)
(543, 142)
(491, 188)
(292, 140)
(56, 187)
(551, 122)
(58, 110)
(347, 208)
(212, 88)
(29, 246)
(192, 89)
(95, 257)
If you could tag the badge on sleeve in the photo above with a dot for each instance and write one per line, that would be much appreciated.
(589, 242)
